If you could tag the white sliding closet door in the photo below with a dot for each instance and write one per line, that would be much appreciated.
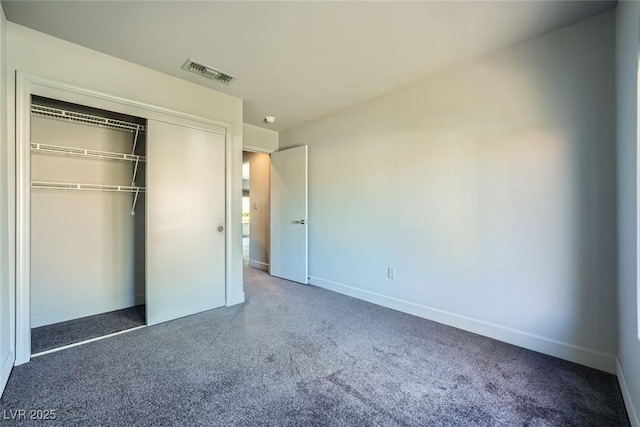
(185, 221)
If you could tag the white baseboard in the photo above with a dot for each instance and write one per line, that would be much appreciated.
(6, 371)
(626, 395)
(44, 319)
(259, 265)
(562, 350)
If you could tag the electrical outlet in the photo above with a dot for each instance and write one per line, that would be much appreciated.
(391, 273)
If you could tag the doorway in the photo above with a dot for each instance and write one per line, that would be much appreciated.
(246, 213)
(256, 209)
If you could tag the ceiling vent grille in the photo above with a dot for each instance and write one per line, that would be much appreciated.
(208, 72)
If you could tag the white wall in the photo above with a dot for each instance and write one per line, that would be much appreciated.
(490, 187)
(36, 53)
(627, 50)
(259, 139)
(83, 243)
(259, 195)
(6, 322)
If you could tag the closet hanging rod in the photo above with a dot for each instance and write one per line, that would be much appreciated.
(88, 119)
(90, 187)
(82, 152)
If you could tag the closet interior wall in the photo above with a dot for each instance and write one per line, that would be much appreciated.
(87, 249)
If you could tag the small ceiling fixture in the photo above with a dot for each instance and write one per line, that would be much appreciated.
(269, 119)
(208, 72)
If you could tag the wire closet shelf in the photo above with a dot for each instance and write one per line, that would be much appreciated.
(88, 119)
(82, 152)
(94, 187)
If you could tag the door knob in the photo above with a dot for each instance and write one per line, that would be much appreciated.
(303, 221)
(220, 228)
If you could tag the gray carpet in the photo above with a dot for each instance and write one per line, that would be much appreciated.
(299, 355)
(85, 328)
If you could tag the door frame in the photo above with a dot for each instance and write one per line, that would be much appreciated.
(28, 85)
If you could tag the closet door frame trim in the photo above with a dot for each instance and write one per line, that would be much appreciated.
(28, 85)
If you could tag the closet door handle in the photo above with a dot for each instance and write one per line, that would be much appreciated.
(220, 229)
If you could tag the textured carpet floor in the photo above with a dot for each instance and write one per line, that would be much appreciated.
(77, 330)
(298, 355)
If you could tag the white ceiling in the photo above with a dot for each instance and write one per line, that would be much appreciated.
(300, 60)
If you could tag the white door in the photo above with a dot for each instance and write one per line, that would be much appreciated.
(289, 222)
(185, 233)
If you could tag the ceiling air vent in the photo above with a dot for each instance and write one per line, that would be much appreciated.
(208, 72)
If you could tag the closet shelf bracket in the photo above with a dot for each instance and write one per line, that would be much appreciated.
(135, 141)
(135, 200)
(135, 172)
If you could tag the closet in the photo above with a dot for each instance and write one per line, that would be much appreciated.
(88, 170)
(121, 215)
